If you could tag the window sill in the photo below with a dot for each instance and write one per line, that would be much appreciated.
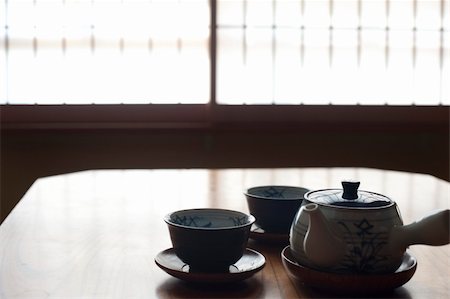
(223, 117)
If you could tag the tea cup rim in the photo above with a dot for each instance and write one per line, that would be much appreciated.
(250, 219)
(247, 193)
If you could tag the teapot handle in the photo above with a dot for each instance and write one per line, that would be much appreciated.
(432, 230)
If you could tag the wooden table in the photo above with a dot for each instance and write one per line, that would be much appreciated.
(95, 234)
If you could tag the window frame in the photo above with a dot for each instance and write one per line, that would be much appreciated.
(232, 117)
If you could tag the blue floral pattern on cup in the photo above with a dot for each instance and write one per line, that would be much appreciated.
(274, 192)
(194, 221)
(207, 222)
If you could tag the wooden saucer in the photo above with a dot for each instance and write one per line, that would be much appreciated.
(350, 283)
(250, 263)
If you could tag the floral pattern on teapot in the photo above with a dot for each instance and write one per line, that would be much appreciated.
(364, 255)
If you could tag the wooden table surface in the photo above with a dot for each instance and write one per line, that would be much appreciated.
(95, 234)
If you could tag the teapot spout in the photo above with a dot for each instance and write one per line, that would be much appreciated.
(321, 245)
(431, 230)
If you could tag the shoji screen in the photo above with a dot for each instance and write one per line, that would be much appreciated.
(268, 51)
(334, 51)
(104, 51)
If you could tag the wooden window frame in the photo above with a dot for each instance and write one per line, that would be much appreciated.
(213, 116)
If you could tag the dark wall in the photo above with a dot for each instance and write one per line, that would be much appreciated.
(29, 154)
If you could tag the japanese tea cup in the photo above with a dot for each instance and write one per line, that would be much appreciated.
(274, 207)
(209, 240)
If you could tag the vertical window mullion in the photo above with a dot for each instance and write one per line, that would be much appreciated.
(4, 70)
(441, 52)
(274, 48)
(387, 36)
(213, 52)
(330, 34)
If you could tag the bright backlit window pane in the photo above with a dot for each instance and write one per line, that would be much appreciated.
(365, 52)
(344, 52)
(110, 51)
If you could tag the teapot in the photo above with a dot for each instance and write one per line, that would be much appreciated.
(355, 231)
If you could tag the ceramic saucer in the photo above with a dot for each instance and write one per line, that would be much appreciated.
(250, 263)
(350, 283)
(259, 234)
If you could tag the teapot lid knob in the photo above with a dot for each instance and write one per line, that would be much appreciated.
(350, 189)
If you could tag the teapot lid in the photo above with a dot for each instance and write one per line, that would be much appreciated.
(349, 196)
